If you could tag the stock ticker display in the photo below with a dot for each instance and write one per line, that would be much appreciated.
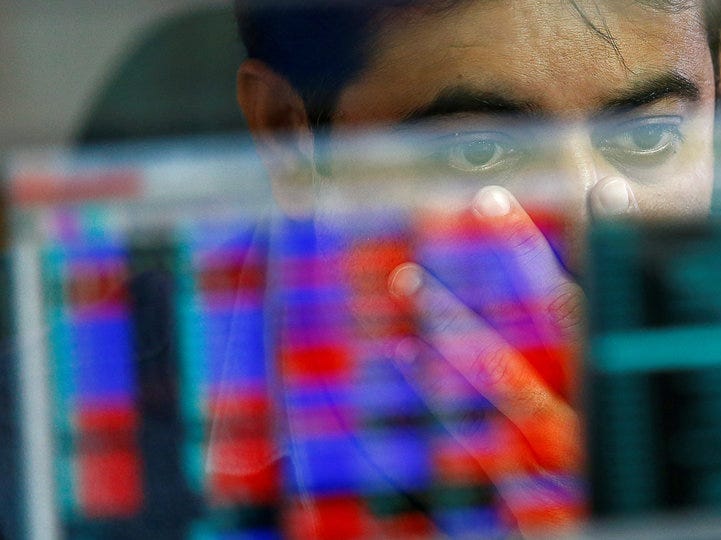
(219, 376)
(653, 377)
(233, 379)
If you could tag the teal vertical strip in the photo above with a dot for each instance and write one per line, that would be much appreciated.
(630, 460)
(54, 269)
(94, 223)
(614, 279)
(200, 531)
(192, 374)
(227, 523)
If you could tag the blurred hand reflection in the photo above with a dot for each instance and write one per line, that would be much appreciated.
(544, 451)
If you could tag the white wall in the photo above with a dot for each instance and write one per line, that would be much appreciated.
(55, 53)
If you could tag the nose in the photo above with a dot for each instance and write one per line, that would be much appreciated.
(581, 186)
(591, 187)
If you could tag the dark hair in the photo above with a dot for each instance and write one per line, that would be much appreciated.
(319, 47)
(712, 15)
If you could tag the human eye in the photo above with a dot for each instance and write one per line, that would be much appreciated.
(643, 143)
(480, 152)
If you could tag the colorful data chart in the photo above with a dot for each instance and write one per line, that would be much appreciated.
(92, 359)
(231, 451)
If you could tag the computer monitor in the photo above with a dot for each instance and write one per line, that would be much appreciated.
(192, 362)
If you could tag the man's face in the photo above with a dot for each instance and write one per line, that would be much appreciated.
(522, 94)
(525, 94)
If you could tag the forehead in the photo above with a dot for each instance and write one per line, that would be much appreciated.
(540, 51)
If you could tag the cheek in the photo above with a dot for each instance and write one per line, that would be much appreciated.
(686, 196)
(685, 189)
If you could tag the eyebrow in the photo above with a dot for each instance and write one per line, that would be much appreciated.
(671, 85)
(465, 99)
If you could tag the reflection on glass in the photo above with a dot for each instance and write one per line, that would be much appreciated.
(376, 329)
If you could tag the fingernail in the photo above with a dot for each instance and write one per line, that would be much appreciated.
(405, 280)
(492, 201)
(615, 197)
(407, 352)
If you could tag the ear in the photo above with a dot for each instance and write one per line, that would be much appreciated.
(278, 122)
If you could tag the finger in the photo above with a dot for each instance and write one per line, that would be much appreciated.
(492, 367)
(537, 500)
(549, 328)
(612, 197)
(528, 257)
(542, 503)
(465, 413)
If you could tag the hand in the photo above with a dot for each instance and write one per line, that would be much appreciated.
(459, 347)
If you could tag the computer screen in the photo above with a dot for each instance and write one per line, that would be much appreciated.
(193, 362)
(196, 363)
(653, 362)
(449, 272)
